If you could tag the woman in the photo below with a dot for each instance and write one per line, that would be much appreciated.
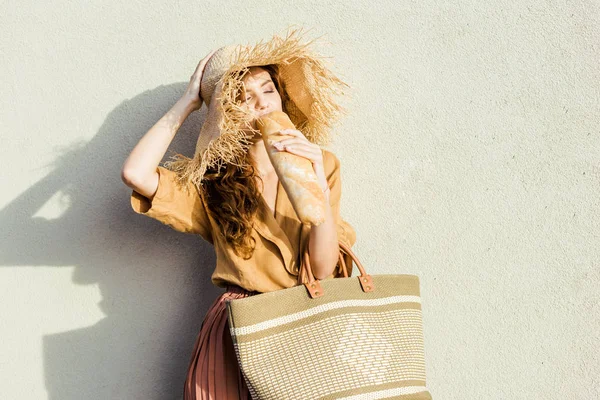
(242, 209)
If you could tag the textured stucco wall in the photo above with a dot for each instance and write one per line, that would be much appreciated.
(470, 158)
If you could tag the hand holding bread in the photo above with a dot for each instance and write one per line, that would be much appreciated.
(295, 172)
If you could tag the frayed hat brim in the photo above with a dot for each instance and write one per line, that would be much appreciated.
(312, 102)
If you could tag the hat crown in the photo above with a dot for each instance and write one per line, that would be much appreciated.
(214, 70)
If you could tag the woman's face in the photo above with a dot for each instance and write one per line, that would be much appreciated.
(260, 95)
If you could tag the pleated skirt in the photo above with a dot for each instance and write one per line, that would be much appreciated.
(213, 372)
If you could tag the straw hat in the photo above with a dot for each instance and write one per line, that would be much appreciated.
(224, 136)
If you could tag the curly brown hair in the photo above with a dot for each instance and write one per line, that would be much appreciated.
(233, 195)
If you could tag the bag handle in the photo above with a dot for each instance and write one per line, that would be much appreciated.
(307, 278)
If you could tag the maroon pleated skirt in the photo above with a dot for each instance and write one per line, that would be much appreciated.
(213, 372)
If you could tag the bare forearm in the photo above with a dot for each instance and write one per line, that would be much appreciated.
(151, 148)
(323, 246)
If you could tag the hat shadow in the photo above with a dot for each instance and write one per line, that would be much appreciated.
(154, 282)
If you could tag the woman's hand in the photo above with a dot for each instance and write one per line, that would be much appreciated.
(192, 93)
(301, 146)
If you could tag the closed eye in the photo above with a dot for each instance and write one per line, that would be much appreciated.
(268, 91)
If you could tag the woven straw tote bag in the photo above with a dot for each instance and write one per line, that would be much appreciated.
(339, 338)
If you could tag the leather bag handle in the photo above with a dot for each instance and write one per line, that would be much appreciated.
(307, 278)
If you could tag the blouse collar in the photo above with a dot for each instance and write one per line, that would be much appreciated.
(270, 227)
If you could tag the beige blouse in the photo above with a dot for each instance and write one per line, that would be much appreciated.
(279, 240)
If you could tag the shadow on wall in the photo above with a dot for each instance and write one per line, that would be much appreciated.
(154, 282)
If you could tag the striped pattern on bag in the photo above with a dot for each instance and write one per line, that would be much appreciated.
(347, 344)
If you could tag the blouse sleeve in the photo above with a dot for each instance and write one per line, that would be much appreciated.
(346, 233)
(172, 205)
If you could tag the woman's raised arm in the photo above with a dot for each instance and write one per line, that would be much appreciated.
(139, 170)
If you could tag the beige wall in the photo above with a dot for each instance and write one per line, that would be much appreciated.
(470, 158)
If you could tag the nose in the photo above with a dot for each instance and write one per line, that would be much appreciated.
(262, 104)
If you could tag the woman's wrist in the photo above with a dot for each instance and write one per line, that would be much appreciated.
(324, 186)
(189, 104)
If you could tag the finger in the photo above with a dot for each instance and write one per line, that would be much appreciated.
(293, 132)
(208, 56)
(200, 65)
(297, 139)
(288, 141)
(298, 146)
(301, 151)
(297, 143)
